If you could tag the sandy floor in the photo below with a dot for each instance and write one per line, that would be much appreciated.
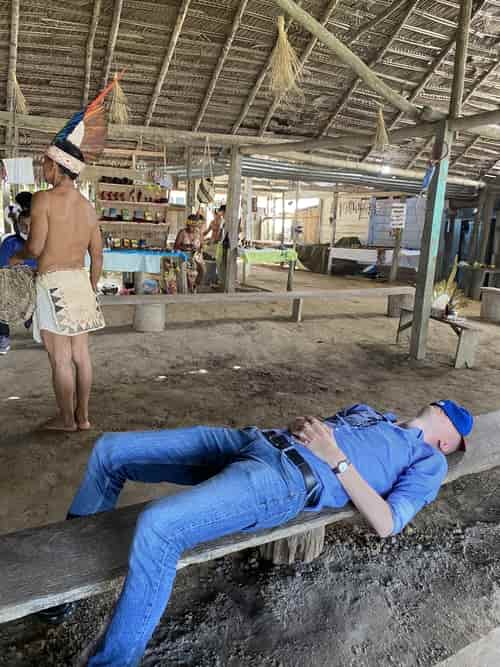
(263, 369)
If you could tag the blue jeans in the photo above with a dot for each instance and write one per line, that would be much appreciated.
(239, 482)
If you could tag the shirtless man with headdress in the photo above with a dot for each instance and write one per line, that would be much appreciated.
(63, 228)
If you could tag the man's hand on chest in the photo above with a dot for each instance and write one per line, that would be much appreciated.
(318, 437)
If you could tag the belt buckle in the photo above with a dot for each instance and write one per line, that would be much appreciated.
(280, 441)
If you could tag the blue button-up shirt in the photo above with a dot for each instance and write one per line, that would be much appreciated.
(395, 461)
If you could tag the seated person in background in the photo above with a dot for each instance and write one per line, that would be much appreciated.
(251, 479)
(11, 245)
(189, 240)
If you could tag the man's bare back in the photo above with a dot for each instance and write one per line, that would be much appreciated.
(70, 223)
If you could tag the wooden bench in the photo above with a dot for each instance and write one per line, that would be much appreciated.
(150, 309)
(71, 560)
(468, 337)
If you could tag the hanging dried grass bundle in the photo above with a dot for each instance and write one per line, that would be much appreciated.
(118, 110)
(285, 66)
(381, 141)
(20, 104)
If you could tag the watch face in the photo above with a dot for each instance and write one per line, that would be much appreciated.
(342, 466)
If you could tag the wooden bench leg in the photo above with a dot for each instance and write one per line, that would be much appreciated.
(304, 547)
(397, 301)
(149, 318)
(468, 341)
(297, 310)
(405, 322)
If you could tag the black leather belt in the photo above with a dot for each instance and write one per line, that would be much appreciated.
(280, 441)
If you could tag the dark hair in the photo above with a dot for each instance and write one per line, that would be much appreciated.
(24, 200)
(221, 209)
(72, 150)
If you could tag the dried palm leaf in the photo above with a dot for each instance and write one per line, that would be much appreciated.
(118, 110)
(381, 141)
(285, 66)
(20, 104)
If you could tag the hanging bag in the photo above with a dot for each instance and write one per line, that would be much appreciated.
(206, 188)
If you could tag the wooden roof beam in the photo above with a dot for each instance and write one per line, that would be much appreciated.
(90, 50)
(478, 124)
(445, 54)
(330, 8)
(113, 37)
(421, 152)
(370, 25)
(464, 152)
(410, 6)
(11, 73)
(220, 63)
(344, 54)
(181, 17)
(462, 43)
(482, 79)
(256, 87)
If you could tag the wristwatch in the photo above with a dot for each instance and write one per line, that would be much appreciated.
(341, 466)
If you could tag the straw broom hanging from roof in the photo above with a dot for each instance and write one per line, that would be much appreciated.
(286, 73)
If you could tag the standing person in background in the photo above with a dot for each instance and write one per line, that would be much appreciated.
(215, 228)
(11, 245)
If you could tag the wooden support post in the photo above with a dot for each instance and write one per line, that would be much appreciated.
(232, 219)
(468, 342)
(487, 215)
(189, 181)
(393, 275)
(182, 285)
(430, 245)
(474, 241)
(297, 309)
(249, 212)
(290, 277)
(304, 547)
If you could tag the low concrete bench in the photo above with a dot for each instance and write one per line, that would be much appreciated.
(490, 303)
(468, 337)
(71, 560)
(150, 312)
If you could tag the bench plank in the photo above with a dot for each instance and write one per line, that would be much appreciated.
(71, 560)
(257, 297)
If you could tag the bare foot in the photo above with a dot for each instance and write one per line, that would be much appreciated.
(58, 424)
(82, 423)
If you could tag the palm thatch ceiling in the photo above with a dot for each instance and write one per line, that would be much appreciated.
(208, 61)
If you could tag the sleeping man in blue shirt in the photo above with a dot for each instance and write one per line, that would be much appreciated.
(251, 479)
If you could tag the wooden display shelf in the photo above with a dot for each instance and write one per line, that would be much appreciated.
(119, 186)
(137, 204)
(145, 225)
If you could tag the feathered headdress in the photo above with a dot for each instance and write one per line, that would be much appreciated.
(86, 130)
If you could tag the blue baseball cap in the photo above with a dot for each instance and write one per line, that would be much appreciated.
(461, 418)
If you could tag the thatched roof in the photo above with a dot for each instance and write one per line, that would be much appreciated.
(412, 49)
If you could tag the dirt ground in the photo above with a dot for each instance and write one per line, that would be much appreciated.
(411, 600)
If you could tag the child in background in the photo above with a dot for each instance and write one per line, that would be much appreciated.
(10, 246)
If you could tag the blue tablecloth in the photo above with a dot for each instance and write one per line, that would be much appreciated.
(131, 261)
